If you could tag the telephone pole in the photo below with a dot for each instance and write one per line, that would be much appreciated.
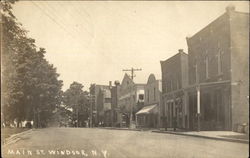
(132, 70)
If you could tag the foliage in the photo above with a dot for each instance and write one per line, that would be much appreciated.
(76, 99)
(30, 85)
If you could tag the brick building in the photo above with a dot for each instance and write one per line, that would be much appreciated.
(174, 82)
(148, 116)
(218, 66)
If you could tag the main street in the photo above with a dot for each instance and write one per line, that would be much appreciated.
(86, 142)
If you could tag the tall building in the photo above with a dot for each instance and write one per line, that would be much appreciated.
(174, 81)
(218, 66)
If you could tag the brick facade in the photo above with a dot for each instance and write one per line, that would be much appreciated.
(218, 64)
(174, 80)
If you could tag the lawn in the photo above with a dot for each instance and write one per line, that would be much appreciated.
(7, 132)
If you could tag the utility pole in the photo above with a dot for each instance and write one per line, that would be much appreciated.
(132, 70)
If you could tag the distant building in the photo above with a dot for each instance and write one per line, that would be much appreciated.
(174, 81)
(115, 114)
(131, 99)
(218, 69)
(100, 100)
(148, 116)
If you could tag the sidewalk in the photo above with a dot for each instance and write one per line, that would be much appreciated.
(118, 128)
(216, 135)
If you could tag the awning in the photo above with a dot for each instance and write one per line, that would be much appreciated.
(148, 109)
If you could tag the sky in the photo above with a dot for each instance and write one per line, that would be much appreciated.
(93, 41)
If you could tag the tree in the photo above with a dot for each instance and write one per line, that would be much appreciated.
(30, 86)
(76, 99)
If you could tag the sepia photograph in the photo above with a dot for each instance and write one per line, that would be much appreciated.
(124, 79)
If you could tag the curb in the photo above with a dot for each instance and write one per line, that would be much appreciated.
(14, 138)
(126, 129)
(206, 137)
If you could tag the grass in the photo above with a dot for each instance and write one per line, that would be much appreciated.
(7, 132)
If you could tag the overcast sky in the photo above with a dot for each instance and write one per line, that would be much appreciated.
(91, 42)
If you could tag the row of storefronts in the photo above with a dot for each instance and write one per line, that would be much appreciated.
(208, 87)
(204, 89)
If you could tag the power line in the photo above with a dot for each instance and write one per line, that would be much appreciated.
(79, 19)
(52, 19)
(72, 17)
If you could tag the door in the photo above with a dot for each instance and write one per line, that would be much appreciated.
(192, 112)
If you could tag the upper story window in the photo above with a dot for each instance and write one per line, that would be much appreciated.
(206, 67)
(170, 85)
(154, 94)
(219, 63)
(148, 96)
(177, 82)
(196, 71)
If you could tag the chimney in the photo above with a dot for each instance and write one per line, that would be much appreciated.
(110, 83)
(117, 83)
(180, 51)
(230, 8)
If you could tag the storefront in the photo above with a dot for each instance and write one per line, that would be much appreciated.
(147, 117)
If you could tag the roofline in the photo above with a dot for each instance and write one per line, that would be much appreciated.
(214, 21)
(179, 53)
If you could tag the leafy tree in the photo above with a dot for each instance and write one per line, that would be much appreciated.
(30, 86)
(76, 99)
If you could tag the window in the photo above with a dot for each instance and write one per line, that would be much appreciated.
(206, 66)
(219, 62)
(107, 100)
(141, 96)
(170, 87)
(177, 83)
(148, 96)
(154, 93)
(196, 71)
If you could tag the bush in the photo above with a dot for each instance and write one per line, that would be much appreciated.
(28, 125)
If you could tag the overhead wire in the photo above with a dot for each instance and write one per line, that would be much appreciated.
(53, 20)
